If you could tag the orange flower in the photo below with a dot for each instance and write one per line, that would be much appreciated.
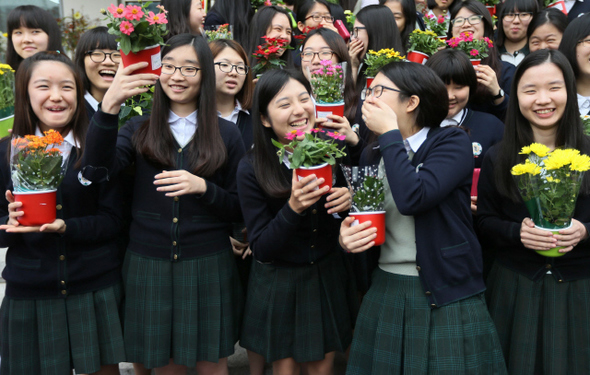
(36, 144)
(53, 150)
(31, 137)
(53, 138)
(19, 142)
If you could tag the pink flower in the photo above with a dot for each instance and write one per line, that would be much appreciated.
(133, 12)
(294, 134)
(326, 62)
(267, 3)
(440, 19)
(336, 135)
(126, 27)
(489, 42)
(474, 52)
(117, 11)
(454, 42)
(156, 18)
(317, 130)
(467, 36)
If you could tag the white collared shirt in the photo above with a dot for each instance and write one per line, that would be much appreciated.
(583, 104)
(90, 99)
(183, 128)
(431, 13)
(414, 142)
(455, 120)
(233, 117)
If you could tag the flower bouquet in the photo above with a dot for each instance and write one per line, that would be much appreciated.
(327, 84)
(438, 25)
(268, 55)
(368, 195)
(549, 182)
(215, 32)
(490, 6)
(311, 153)
(376, 60)
(476, 49)
(423, 44)
(6, 99)
(139, 33)
(557, 4)
(37, 166)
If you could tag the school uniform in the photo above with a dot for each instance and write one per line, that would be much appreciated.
(576, 8)
(539, 304)
(583, 105)
(425, 312)
(516, 57)
(64, 294)
(91, 105)
(301, 296)
(181, 284)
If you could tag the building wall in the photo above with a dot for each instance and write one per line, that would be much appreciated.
(90, 9)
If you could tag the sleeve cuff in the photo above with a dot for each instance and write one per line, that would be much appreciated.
(291, 217)
(105, 120)
(390, 138)
(209, 196)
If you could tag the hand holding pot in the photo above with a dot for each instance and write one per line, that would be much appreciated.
(570, 237)
(341, 125)
(338, 200)
(125, 85)
(534, 238)
(303, 193)
(13, 226)
(13, 211)
(358, 238)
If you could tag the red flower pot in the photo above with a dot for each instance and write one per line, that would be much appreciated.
(559, 5)
(417, 57)
(474, 182)
(377, 219)
(322, 110)
(369, 81)
(491, 9)
(151, 55)
(38, 207)
(321, 171)
(475, 62)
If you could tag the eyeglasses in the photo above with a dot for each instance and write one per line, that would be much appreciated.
(322, 55)
(355, 31)
(318, 18)
(227, 68)
(187, 71)
(376, 91)
(523, 17)
(473, 20)
(585, 42)
(99, 56)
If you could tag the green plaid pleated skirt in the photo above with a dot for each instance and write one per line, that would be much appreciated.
(398, 333)
(54, 336)
(188, 310)
(544, 325)
(300, 312)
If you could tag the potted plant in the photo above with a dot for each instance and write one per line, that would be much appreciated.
(550, 185)
(311, 153)
(139, 33)
(438, 25)
(558, 4)
(6, 99)
(268, 55)
(368, 195)
(328, 89)
(37, 166)
(423, 44)
(476, 49)
(137, 105)
(71, 28)
(215, 32)
(490, 6)
(376, 60)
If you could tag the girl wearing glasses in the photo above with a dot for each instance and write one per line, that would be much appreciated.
(181, 284)
(576, 47)
(97, 59)
(546, 29)
(313, 13)
(493, 75)
(539, 304)
(301, 302)
(515, 17)
(425, 311)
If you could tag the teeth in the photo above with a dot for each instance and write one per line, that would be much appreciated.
(107, 72)
(544, 111)
(299, 123)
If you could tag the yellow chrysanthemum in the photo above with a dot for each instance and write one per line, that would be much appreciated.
(580, 163)
(537, 148)
(551, 179)
(526, 168)
(560, 158)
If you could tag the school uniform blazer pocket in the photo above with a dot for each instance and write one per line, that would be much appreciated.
(455, 250)
(148, 215)
(31, 264)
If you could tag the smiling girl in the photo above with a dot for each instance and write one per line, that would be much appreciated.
(66, 272)
(512, 41)
(272, 22)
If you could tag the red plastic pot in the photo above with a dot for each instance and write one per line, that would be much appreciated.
(559, 5)
(322, 110)
(475, 62)
(321, 171)
(38, 207)
(377, 219)
(491, 9)
(151, 55)
(417, 57)
(369, 81)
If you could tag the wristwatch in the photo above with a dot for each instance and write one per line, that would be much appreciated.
(500, 95)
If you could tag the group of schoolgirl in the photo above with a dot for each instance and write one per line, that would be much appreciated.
(203, 161)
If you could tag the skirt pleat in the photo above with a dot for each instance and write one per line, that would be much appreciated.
(543, 325)
(54, 336)
(189, 310)
(398, 333)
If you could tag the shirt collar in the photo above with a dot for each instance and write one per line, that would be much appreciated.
(455, 120)
(90, 99)
(234, 114)
(191, 119)
(68, 138)
(583, 102)
(414, 142)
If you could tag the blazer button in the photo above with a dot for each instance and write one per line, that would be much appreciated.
(58, 207)
(64, 292)
(62, 257)
(312, 246)
(175, 220)
(180, 150)
(433, 305)
(173, 243)
(63, 282)
(418, 268)
(314, 211)
(559, 281)
(428, 293)
(176, 199)
(175, 256)
(315, 230)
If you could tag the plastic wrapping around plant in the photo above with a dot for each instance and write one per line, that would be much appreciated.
(327, 82)
(366, 184)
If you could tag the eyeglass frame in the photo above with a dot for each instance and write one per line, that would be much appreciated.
(371, 90)
(180, 69)
(466, 19)
(355, 31)
(514, 15)
(232, 67)
(318, 54)
(109, 54)
(329, 19)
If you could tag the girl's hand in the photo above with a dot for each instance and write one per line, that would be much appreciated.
(180, 182)
(534, 238)
(13, 211)
(378, 116)
(58, 226)
(339, 200)
(487, 77)
(125, 85)
(341, 125)
(473, 205)
(303, 194)
(358, 238)
(355, 48)
(240, 248)
(572, 236)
